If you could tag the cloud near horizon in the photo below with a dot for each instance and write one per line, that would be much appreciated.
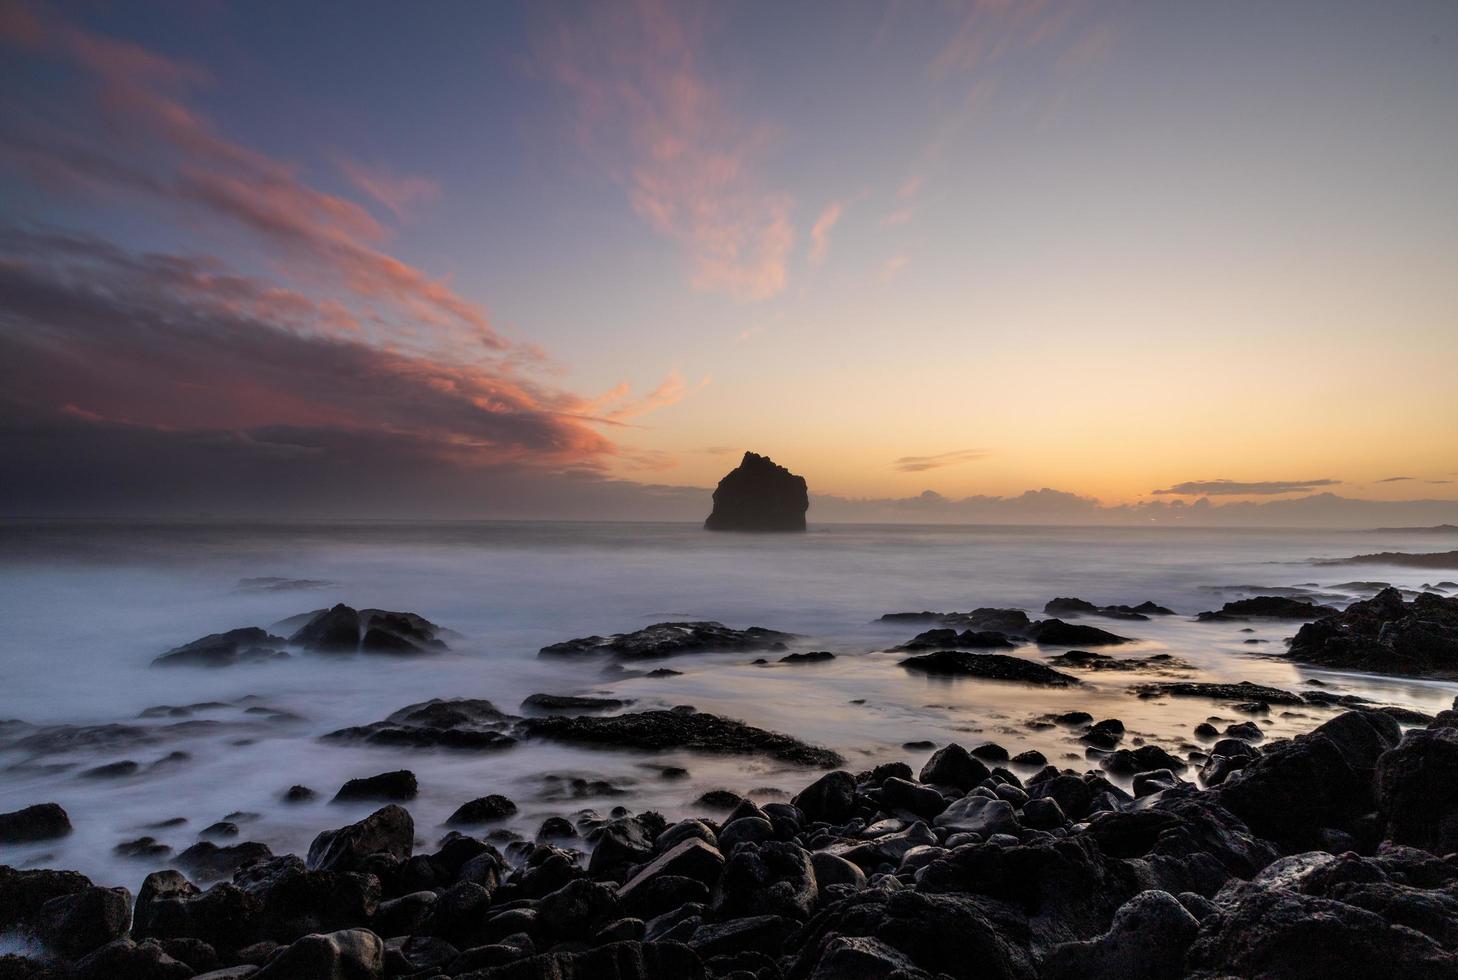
(917, 464)
(1234, 488)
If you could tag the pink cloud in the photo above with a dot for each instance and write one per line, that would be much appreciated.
(820, 232)
(400, 194)
(645, 111)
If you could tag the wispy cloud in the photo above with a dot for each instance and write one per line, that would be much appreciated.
(648, 112)
(916, 464)
(892, 267)
(401, 195)
(1395, 479)
(135, 137)
(1232, 488)
(820, 232)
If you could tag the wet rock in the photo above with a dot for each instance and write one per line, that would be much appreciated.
(421, 955)
(563, 702)
(299, 794)
(1386, 635)
(111, 770)
(614, 961)
(813, 657)
(1417, 790)
(773, 878)
(398, 785)
(1031, 757)
(206, 861)
(43, 821)
(994, 666)
(122, 959)
(759, 495)
(860, 958)
(1055, 632)
(389, 830)
(1127, 762)
(219, 830)
(142, 847)
(670, 639)
(830, 798)
(1244, 691)
(949, 639)
(1088, 660)
(979, 815)
(462, 723)
(250, 644)
(23, 893)
(296, 901)
(349, 954)
(664, 894)
(902, 794)
(954, 766)
(700, 731)
(170, 907)
(690, 858)
(78, 923)
(1296, 789)
(1276, 932)
(1147, 940)
(482, 810)
(1266, 607)
(1043, 814)
(1070, 606)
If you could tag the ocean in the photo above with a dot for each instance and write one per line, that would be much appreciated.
(86, 606)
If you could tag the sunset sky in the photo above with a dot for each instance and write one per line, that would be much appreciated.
(539, 259)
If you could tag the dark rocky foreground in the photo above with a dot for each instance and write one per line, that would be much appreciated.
(1386, 635)
(1331, 854)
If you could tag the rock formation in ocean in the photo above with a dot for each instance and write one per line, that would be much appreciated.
(759, 495)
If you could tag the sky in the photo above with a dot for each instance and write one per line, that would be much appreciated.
(987, 260)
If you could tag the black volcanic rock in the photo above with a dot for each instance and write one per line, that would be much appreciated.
(944, 638)
(993, 666)
(247, 645)
(698, 731)
(1055, 632)
(44, 821)
(1267, 607)
(1385, 635)
(668, 639)
(759, 495)
(461, 723)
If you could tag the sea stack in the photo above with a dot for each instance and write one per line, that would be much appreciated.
(759, 495)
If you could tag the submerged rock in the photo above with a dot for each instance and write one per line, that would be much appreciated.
(563, 702)
(1071, 606)
(342, 629)
(43, 821)
(1088, 660)
(669, 639)
(992, 666)
(461, 723)
(759, 495)
(1055, 632)
(658, 730)
(398, 785)
(1266, 607)
(250, 644)
(1243, 691)
(946, 638)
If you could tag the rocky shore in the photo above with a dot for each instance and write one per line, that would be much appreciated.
(1328, 854)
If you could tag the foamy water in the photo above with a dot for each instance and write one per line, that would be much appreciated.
(85, 608)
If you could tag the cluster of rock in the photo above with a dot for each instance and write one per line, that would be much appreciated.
(1386, 635)
(1329, 854)
(338, 630)
(1066, 606)
(990, 627)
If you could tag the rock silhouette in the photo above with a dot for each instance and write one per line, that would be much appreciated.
(759, 495)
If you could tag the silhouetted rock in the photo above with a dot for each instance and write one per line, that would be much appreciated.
(946, 638)
(1055, 632)
(668, 639)
(462, 723)
(250, 644)
(1244, 691)
(389, 830)
(206, 861)
(342, 629)
(482, 810)
(759, 495)
(563, 702)
(993, 666)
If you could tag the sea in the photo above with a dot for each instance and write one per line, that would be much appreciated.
(86, 606)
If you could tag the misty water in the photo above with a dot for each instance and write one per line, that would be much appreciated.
(84, 609)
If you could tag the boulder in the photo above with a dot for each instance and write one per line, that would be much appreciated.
(389, 830)
(350, 954)
(1147, 941)
(830, 798)
(399, 785)
(1385, 635)
(1267, 607)
(614, 961)
(43, 821)
(954, 766)
(773, 878)
(1417, 790)
(76, 924)
(122, 959)
(482, 810)
(759, 495)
